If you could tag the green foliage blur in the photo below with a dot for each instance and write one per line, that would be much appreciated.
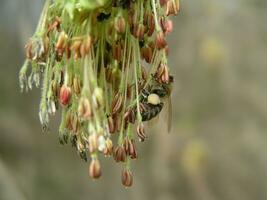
(217, 149)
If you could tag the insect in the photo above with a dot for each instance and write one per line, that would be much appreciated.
(151, 101)
(103, 16)
(150, 111)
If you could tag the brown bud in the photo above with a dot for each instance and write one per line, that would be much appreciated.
(139, 31)
(57, 22)
(120, 24)
(61, 40)
(141, 132)
(68, 51)
(146, 16)
(111, 125)
(127, 178)
(117, 122)
(131, 17)
(119, 154)
(84, 109)
(132, 150)
(160, 41)
(164, 78)
(172, 7)
(95, 169)
(59, 54)
(65, 95)
(126, 145)
(129, 116)
(117, 51)
(76, 48)
(117, 103)
(129, 91)
(54, 25)
(150, 24)
(146, 53)
(160, 70)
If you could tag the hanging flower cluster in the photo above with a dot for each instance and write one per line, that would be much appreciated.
(103, 63)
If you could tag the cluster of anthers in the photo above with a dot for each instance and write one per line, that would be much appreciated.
(103, 63)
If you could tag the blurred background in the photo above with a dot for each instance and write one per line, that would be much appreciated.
(217, 149)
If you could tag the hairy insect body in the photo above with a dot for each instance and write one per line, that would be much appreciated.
(151, 111)
(151, 101)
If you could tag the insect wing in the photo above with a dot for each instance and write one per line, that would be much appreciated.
(169, 114)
